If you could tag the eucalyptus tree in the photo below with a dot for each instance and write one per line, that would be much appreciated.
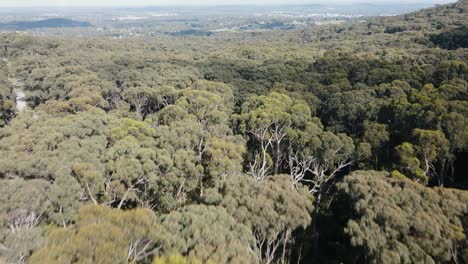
(209, 233)
(377, 136)
(400, 221)
(49, 144)
(272, 209)
(21, 217)
(7, 103)
(131, 169)
(431, 146)
(200, 147)
(105, 235)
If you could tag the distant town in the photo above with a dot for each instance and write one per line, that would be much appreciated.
(195, 21)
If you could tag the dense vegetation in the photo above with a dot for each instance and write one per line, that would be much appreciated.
(51, 22)
(333, 144)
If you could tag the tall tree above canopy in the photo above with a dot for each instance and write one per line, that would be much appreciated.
(196, 137)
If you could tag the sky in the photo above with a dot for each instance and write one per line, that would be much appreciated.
(66, 3)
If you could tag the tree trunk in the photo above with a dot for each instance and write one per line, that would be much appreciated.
(124, 198)
(315, 240)
(90, 194)
(200, 158)
(285, 244)
(376, 161)
(299, 257)
(442, 173)
(452, 170)
(278, 157)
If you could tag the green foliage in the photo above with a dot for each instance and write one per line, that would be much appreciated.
(209, 233)
(217, 88)
(394, 221)
(397, 175)
(39, 145)
(7, 104)
(453, 39)
(104, 235)
(202, 131)
(20, 217)
(131, 161)
(70, 82)
(377, 136)
(18, 246)
(266, 119)
(177, 259)
(64, 196)
(198, 148)
(347, 111)
(16, 206)
(431, 145)
(409, 163)
(272, 209)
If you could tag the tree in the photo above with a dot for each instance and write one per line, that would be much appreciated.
(431, 146)
(456, 130)
(197, 140)
(43, 145)
(331, 155)
(218, 88)
(287, 132)
(64, 199)
(24, 206)
(139, 98)
(399, 221)
(7, 104)
(131, 162)
(377, 136)
(409, 164)
(177, 259)
(105, 235)
(266, 119)
(209, 233)
(326, 155)
(18, 246)
(272, 209)
(62, 83)
(346, 112)
(418, 160)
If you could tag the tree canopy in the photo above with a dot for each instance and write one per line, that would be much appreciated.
(329, 142)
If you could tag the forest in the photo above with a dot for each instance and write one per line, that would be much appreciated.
(54, 22)
(338, 143)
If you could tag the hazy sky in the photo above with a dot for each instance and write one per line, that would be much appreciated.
(12, 3)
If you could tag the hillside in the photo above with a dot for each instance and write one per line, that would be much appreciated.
(46, 23)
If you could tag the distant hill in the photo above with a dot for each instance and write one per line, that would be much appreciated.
(47, 23)
(445, 25)
(436, 19)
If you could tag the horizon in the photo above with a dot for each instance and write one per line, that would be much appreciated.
(167, 3)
